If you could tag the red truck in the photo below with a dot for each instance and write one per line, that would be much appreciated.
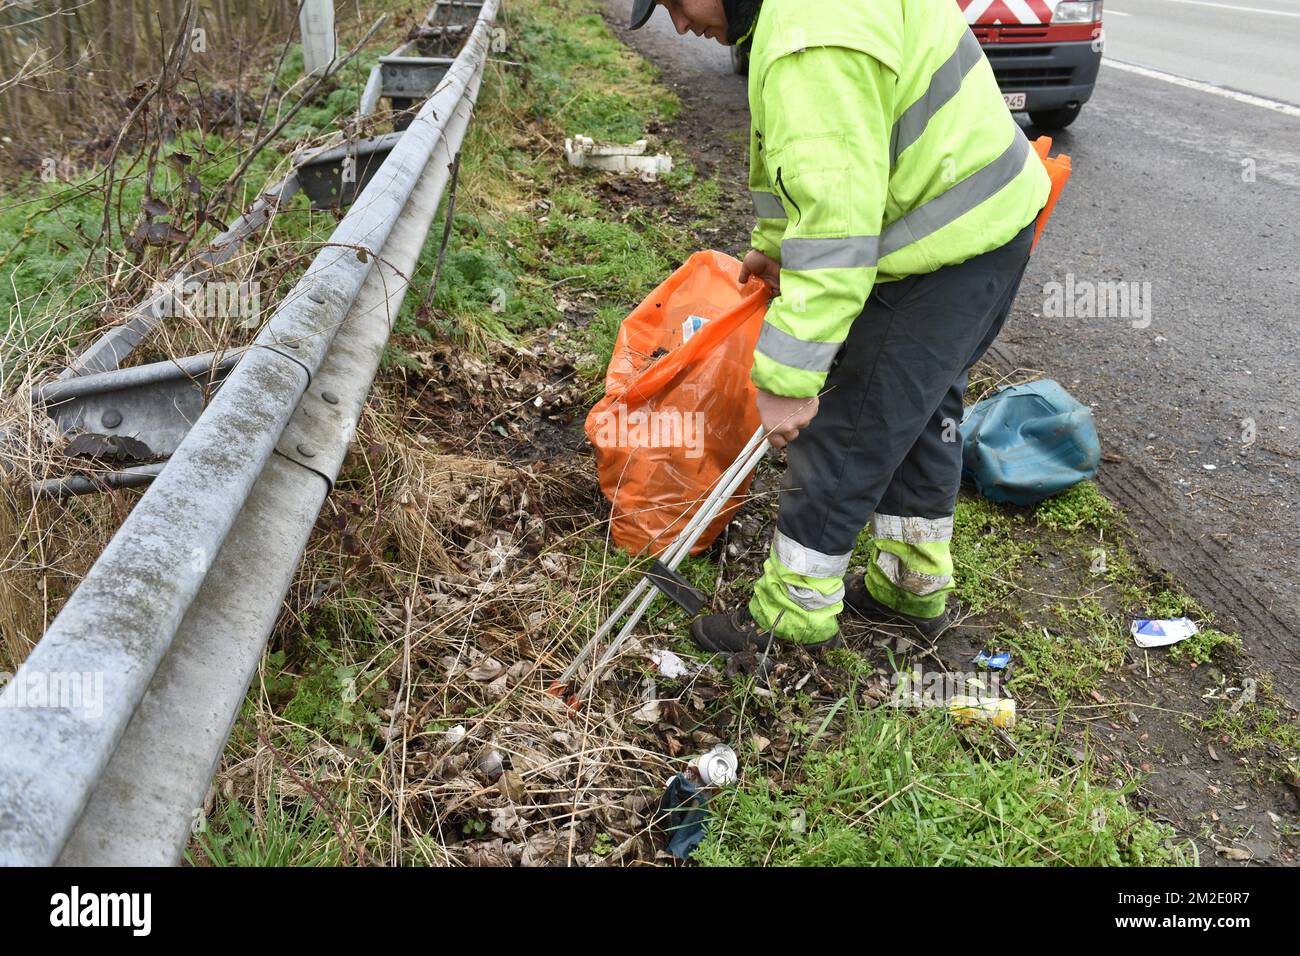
(1045, 53)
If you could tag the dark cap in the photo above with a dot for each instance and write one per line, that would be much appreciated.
(641, 10)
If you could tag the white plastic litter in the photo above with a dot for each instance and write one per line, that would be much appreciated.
(648, 712)
(583, 151)
(454, 735)
(669, 664)
(491, 764)
(692, 324)
(1249, 690)
(1162, 633)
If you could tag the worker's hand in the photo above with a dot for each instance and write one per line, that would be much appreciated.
(783, 417)
(765, 267)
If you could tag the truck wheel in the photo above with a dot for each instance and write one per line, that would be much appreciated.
(740, 59)
(1055, 119)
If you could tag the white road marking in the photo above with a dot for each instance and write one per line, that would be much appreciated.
(1116, 13)
(1203, 87)
(1233, 6)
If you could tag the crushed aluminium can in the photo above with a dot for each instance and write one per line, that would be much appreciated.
(718, 767)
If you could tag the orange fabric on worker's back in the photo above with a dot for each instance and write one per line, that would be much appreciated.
(678, 410)
(1058, 171)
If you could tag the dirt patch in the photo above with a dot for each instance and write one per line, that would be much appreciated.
(524, 401)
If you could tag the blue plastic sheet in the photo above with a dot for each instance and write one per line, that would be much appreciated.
(684, 808)
(1028, 442)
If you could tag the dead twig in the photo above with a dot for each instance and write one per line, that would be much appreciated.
(227, 189)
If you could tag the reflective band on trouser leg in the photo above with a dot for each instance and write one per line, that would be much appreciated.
(801, 592)
(911, 564)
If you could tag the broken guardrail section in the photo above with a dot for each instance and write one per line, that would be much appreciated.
(134, 400)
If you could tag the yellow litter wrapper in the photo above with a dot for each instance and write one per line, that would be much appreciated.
(1000, 711)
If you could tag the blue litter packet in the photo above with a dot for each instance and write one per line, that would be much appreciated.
(1160, 633)
(993, 661)
(692, 324)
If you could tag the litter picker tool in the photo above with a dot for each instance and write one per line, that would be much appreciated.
(662, 575)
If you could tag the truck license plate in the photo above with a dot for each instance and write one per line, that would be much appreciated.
(1014, 101)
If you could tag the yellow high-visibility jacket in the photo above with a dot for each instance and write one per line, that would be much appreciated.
(880, 148)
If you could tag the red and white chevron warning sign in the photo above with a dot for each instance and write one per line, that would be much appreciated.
(1008, 12)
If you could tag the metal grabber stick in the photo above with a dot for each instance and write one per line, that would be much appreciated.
(712, 505)
(710, 511)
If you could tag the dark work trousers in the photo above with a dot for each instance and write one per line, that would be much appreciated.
(885, 440)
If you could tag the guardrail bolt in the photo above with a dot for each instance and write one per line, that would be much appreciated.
(306, 451)
(330, 397)
(317, 296)
(111, 418)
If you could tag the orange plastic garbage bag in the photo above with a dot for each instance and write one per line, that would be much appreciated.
(679, 405)
(1058, 171)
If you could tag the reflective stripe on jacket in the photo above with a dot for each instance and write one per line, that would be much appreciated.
(880, 148)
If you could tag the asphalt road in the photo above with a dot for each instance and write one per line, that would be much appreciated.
(1192, 200)
(1247, 45)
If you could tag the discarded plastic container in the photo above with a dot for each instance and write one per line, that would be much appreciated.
(1000, 711)
(1029, 442)
(583, 151)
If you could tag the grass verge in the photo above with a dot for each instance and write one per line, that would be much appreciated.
(896, 789)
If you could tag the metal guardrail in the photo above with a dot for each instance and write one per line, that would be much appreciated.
(107, 352)
(172, 618)
(155, 405)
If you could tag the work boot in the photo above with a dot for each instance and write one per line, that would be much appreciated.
(832, 642)
(737, 632)
(859, 599)
(733, 633)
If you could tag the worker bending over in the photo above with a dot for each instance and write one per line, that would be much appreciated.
(895, 200)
